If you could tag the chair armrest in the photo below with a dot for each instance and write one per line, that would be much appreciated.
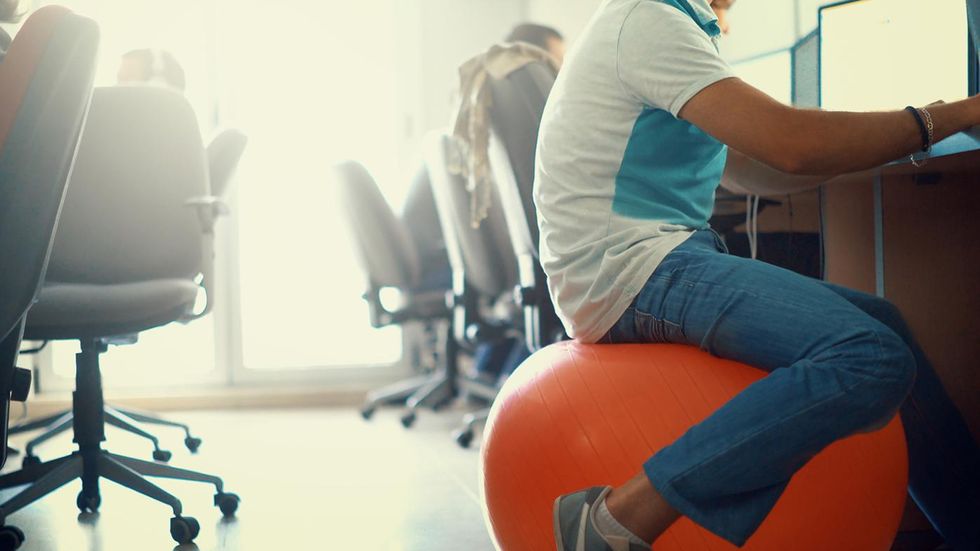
(209, 208)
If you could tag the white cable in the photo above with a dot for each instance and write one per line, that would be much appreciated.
(755, 227)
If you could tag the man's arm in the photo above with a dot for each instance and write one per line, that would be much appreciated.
(798, 141)
(747, 176)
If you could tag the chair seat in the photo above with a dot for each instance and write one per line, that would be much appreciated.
(81, 311)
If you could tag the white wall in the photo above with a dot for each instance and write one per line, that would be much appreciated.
(447, 33)
(568, 16)
(758, 25)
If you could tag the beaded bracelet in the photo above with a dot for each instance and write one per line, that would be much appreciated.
(926, 129)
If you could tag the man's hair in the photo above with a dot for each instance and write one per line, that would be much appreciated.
(534, 34)
(160, 65)
(8, 10)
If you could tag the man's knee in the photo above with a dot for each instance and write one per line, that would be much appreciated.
(893, 375)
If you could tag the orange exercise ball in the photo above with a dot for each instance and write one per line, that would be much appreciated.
(576, 415)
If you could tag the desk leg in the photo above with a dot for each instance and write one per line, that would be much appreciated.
(879, 238)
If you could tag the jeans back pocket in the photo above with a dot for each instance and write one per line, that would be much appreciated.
(652, 329)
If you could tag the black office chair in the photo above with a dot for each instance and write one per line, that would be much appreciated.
(132, 252)
(483, 266)
(45, 86)
(389, 259)
(517, 108)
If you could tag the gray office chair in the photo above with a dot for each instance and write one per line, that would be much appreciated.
(388, 257)
(483, 266)
(45, 87)
(132, 252)
(518, 105)
(223, 154)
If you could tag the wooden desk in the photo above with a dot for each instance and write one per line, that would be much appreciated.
(913, 236)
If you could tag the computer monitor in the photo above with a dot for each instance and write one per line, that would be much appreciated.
(885, 54)
(805, 78)
(770, 73)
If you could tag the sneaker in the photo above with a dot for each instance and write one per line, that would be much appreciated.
(575, 524)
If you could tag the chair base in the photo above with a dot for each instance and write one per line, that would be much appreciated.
(464, 435)
(122, 418)
(433, 391)
(91, 463)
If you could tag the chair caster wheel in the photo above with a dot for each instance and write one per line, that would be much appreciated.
(367, 412)
(408, 420)
(464, 438)
(228, 503)
(162, 455)
(31, 461)
(192, 443)
(11, 538)
(88, 503)
(184, 529)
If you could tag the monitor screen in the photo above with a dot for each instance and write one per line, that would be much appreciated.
(806, 83)
(769, 73)
(885, 54)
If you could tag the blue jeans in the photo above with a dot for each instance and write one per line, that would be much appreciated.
(839, 362)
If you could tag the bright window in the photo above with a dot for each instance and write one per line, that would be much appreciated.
(315, 86)
(311, 83)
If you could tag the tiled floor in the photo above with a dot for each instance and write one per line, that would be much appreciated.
(309, 480)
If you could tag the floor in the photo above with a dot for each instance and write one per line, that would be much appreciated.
(308, 479)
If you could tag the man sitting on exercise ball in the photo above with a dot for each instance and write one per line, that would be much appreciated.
(643, 124)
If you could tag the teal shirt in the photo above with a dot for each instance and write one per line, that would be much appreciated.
(671, 168)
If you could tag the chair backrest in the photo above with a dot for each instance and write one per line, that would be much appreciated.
(383, 247)
(126, 216)
(518, 106)
(45, 86)
(484, 253)
(224, 152)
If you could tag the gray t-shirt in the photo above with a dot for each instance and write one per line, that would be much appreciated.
(620, 180)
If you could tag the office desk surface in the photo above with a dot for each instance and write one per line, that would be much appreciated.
(957, 143)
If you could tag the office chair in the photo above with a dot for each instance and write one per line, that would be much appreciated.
(133, 250)
(45, 86)
(517, 108)
(389, 259)
(483, 266)
(223, 153)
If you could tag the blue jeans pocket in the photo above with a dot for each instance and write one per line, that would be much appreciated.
(649, 328)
